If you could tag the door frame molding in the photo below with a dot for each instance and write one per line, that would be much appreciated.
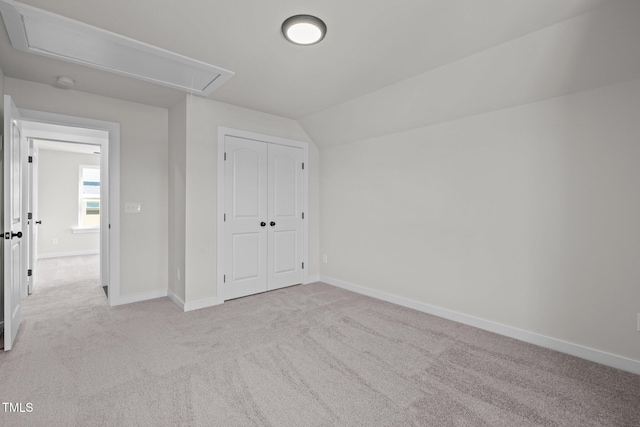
(110, 162)
(223, 132)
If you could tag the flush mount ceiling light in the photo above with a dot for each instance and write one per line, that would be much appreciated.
(304, 29)
(37, 31)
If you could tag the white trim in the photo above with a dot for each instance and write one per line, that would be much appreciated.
(219, 216)
(312, 279)
(201, 303)
(85, 230)
(109, 192)
(138, 297)
(176, 300)
(69, 253)
(604, 358)
(222, 132)
(193, 305)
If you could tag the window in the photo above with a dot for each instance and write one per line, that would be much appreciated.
(89, 198)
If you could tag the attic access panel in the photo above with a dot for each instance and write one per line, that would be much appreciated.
(37, 31)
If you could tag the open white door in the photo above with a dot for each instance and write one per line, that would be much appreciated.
(15, 272)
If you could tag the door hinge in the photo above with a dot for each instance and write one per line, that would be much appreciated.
(109, 226)
(30, 159)
(225, 156)
(29, 272)
(303, 265)
(29, 215)
(303, 166)
(302, 215)
(225, 217)
(224, 278)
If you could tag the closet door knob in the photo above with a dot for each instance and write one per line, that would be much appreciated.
(272, 223)
(18, 234)
(262, 224)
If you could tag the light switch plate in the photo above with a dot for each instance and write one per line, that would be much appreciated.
(132, 207)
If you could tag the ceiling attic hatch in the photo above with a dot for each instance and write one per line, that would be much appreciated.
(44, 33)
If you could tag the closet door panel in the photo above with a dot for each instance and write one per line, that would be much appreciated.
(285, 248)
(285, 234)
(284, 185)
(246, 255)
(246, 198)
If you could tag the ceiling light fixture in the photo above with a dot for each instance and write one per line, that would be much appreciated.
(304, 29)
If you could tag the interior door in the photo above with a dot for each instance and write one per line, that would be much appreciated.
(285, 204)
(245, 217)
(15, 273)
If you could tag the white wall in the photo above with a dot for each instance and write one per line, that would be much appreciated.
(177, 197)
(143, 170)
(528, 217)
(203, 118)
(502, 186)
(58, 203)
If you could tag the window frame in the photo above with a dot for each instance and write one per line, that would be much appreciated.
(81, 211)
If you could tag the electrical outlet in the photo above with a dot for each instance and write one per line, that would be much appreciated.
(55, 241)
(324, 258)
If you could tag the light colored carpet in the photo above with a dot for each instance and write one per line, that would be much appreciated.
(308, 355)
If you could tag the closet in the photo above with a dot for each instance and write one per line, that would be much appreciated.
(263, 216)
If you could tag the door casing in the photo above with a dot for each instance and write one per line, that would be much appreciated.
(220, 188)
(32, 229)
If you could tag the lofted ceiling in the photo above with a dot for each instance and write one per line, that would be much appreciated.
(370, 44)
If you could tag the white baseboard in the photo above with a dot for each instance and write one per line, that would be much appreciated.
(193, 305)
(202, 303)
(69, 253)
(176, 300)
(615, 361)
(141, 296)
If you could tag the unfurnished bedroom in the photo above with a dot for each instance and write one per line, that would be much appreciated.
(321, 213)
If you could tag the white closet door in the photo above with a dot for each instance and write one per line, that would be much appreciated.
(284, 257)
(245, 210)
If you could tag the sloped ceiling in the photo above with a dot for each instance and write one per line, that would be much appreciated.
(592, 50)
(370, 44)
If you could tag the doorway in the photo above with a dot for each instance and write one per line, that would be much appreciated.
(23, 127)
(65, 206)
(91, 136)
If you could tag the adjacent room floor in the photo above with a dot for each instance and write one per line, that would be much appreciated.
(63, 272)
(301, 356)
